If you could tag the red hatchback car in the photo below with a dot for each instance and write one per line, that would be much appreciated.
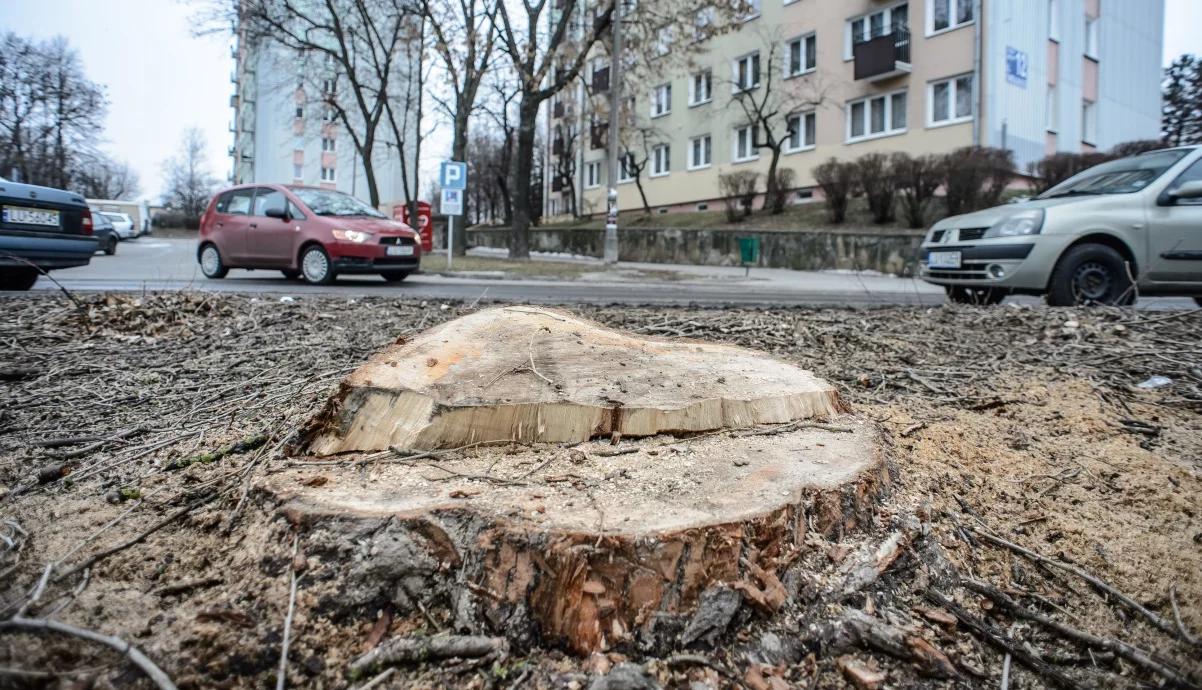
(304, 232)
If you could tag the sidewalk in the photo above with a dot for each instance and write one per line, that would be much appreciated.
(490, 264)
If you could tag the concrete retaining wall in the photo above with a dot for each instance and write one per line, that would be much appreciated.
(892, 252)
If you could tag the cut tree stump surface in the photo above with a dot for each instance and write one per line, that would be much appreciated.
(613, 479)
(539, 375)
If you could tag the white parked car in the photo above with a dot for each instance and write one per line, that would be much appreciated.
(122, 224)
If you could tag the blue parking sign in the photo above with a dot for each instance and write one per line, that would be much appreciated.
(452, 175)
(1017, 65)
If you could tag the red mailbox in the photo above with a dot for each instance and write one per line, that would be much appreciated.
(423, 226)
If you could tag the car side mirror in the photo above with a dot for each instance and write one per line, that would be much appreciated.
(1187, 190)
(277, 212)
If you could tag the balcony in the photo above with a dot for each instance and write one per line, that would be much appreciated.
(883, 57)
(233, 100)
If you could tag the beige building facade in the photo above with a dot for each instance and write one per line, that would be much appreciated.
(858, 76)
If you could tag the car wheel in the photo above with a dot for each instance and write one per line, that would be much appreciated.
(211, 264)
(110, 247)
(18, 278)
(982, 297)
(1091, 274)
(395, 276)
(316, 267)
(290, 274)
(1198, 301)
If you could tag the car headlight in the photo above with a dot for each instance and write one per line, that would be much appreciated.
(356, 236)
(1022, 223)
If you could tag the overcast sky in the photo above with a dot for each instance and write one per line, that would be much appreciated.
(161, 80)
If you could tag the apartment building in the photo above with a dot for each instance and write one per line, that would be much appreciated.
(283, 132)
(856, 76)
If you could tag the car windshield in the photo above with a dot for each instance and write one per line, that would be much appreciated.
(1122, 176)
(325, 202)
(115, 216)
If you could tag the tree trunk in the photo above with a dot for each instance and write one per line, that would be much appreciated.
(774, 200)
(638, 182)
(459, 153)
(523, 169)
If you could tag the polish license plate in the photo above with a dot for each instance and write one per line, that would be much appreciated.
(943, 260)
(400, 250)
(17, 215)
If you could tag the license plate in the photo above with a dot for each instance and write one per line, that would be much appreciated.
(17, 215)
(943, 260)
(400, 250)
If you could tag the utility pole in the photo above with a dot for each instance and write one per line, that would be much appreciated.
(615, 103)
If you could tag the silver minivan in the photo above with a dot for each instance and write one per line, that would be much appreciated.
(1122, 229)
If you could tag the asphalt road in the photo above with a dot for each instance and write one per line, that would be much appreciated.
(152, 264)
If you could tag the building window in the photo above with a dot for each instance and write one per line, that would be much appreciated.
(802, 131)
(753, 9)
(328, 116)
(876, 116)
(1054, 20)
(943, 15)
(745, 149)
(661, 100)
(1089, 122)
(951, 100)
(663, 40)
(879, 23)
(1053, 110)
(1091, 37)
(703, 23)
(661, 160)
(298, 171)
(592, 175)
(327, 174)
(701, 87)
(802, 55)
(747, 72)
(327, 143)
(300, 112)
(701, 152)
(625, 168)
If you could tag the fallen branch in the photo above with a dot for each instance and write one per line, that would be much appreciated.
(412, 650)
(153, 672)
(282, 674)
(1091, 579)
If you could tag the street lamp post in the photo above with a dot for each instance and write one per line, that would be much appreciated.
(615, 103)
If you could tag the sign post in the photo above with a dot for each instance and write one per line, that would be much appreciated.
(452, 178)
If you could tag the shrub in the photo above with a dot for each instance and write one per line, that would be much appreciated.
(837, 179)
(738, 193)
(1134, 148)
(916, 178)
(1058, 167)
(875, 176)
(785, 179)
(974, 177)
(174, 219)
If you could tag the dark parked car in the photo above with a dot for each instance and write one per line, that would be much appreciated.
(105, 233)
(304, 232)
(48, 228)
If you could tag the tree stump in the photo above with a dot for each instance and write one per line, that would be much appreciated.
(635, 474)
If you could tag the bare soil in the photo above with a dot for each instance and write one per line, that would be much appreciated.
(147, 423)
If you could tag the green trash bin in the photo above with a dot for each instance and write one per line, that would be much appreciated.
(749, 251)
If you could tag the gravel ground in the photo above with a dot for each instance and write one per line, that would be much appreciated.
(132, 431)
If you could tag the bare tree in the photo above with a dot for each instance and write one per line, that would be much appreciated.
(50, 113)
(189, 185)
(638, 141)
(351, 48)
(101, 177)
(463, 37)
(774, 109)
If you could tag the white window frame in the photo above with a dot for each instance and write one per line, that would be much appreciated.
(952, 24)
(1054, 20)
(703, 22)
(707, 79)
(592, 174)
(1089, 122)
(803, 42)
(753, 153)
(803, 145)
(624, 176)
(886, 19)
(663, 41)
(661, 100)
(329, 144)
(952, 92)
(331, 177)
(707, 146)
(868, 135)
(1052, 107)
(1091, 37)
(754, 9)
(298, 171)
(658, 158)
(753, 59)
